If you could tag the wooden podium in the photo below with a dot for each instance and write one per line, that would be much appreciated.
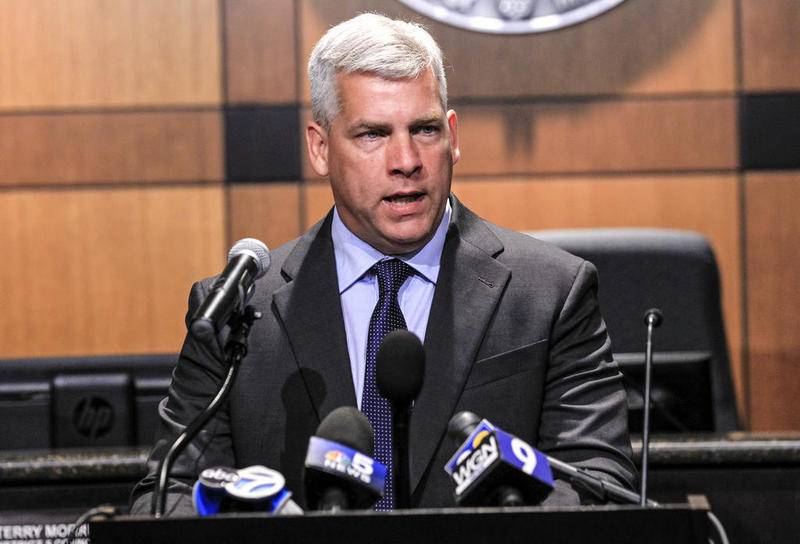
(596, 524)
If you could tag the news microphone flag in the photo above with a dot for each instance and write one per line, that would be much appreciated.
(364, 474)
(252, 489)
(491, 457)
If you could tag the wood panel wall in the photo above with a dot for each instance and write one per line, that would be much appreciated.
(140, 138)
(111, 172)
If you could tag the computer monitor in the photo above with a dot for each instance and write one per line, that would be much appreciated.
(680, 394)
(82, 401)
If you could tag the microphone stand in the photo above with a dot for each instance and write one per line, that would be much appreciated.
(652, 318)
(235, 350)
(401, 416)
(600, 488)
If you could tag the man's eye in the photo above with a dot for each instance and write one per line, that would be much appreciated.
(427, 129)
(370, 135)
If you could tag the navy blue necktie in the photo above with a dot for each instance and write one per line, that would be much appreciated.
(386, 318)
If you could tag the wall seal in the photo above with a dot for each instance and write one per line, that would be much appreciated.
(511, 16)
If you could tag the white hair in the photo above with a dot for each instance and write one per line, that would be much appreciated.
(374, 44)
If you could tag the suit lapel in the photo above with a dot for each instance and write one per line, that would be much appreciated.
(311, 312)
(471, 282)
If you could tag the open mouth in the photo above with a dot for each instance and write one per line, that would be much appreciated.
(403, 199)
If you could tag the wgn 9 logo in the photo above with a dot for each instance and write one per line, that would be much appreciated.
(525, 454)
(489, 447)
(480, 454)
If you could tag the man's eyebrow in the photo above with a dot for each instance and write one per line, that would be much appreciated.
(428, 120)
(368, 125)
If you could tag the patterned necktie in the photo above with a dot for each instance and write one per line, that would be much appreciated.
(386, 318)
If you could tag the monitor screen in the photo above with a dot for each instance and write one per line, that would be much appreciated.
(82, 401)
(680, 396)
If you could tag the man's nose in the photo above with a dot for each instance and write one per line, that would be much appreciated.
(403, 156)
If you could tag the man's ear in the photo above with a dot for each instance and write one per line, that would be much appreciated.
(452, 122)
(317, 145)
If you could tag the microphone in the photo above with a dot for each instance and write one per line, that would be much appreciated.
(227, 301)
(652, 319)
(465, 425)
(493, 467)
(399, 371)
(248, 260)
(252, 489)
(340, 473)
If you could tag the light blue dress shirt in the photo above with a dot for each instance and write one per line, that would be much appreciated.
(358, 288)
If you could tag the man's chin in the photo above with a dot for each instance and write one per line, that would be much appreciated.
(401, 245)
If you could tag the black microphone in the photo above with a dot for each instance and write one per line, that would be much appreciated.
(248, 260)
(340, 472)
(463, 424)
(399, 371)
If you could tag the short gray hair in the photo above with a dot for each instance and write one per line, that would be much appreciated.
(374, 44)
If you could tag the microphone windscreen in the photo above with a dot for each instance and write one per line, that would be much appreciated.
(400, 367)
(461, 426)
(348, 426)
(256, 248)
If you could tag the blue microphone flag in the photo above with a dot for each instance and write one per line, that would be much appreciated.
(490, 451)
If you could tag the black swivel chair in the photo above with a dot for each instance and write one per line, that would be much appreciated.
(674, 271)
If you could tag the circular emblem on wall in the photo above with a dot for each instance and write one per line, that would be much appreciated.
(511, 16)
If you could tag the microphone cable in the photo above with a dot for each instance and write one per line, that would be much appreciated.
(723, 536)
(235, 351)
(104, 511)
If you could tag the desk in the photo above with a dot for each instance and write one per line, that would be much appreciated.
(596, 524)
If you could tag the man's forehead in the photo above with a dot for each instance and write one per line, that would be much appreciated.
(354, 81)
(364, 95)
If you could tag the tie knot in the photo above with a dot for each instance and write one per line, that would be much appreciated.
(391, 274)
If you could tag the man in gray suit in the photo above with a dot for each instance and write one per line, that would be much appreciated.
(511, 326)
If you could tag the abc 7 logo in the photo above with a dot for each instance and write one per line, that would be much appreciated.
(256, 482)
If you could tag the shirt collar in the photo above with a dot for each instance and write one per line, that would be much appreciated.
(354, 257)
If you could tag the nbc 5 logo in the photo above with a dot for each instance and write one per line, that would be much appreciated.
(362, 467)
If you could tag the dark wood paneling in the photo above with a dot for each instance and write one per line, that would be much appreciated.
(270, 213)
(260, 51)
(770, 131)
(708, 204)
(109, 147)
(104, 271)
(598, 136)
(647, 46)
(773, 291)
(771, 44)
(85, 53)
(262, 143)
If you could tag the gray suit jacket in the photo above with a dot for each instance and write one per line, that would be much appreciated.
(514, 335)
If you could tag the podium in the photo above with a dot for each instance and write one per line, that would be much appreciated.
(596, 524)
